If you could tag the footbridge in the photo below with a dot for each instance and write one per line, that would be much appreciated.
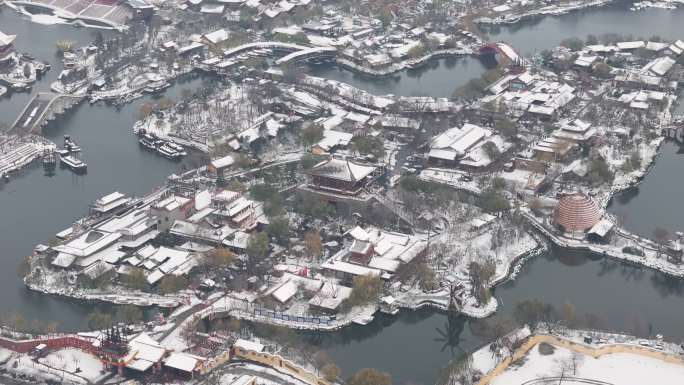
(43, 107)
(307, 54)
(272, 45)
(502, 51)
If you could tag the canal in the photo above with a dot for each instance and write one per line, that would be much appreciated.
(34, 207)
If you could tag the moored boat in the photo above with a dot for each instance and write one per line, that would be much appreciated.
(168, 152)
(148, 141)
(73, 163)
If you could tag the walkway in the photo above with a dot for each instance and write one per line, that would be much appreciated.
(41, 108)
(305, 54)
(274, 45)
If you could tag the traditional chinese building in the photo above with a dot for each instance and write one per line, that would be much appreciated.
(343, 176)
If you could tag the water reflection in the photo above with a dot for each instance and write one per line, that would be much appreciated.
(569, 257)
(450, 334)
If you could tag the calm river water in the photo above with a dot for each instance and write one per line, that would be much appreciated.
(34, 207)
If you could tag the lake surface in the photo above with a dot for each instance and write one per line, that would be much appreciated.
(657, 201)
(537, 34)
(34, 207)
(438, 77)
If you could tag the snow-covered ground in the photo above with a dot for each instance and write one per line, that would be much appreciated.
(617, 368)
(23, 365)
(76, 362)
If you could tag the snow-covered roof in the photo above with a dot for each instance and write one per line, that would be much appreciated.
(202, 200)
(170, 259)
(601, 48)
(677, 47)
(378, 59)
(6, 39)
(253, 346)
(131, 223)
(542, 110)
(200, 215)
(88, 243)
(110, 202)
(332, 138)
(627, 45)
(578, 167)
(343, 169)
(111, 254)
(659, 66)
(585, 60)
(154, 277)
(192, 230)
(389, 265)
(602, 227)
(458, 140)
(238, 241)
(655, 46)
(63, 260)
(97, 269)
(149, 264)
(144, 351)
(139, 365)
(508, 51)
(359, 233)
(285, 291)
(213, 8)
(445, 154)
(171, 203)
(217, 36)
(226, 196)
(350, 268)
(181, 361)
(190, 47)
(133, 261)
(223, 162)
(576, 125)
